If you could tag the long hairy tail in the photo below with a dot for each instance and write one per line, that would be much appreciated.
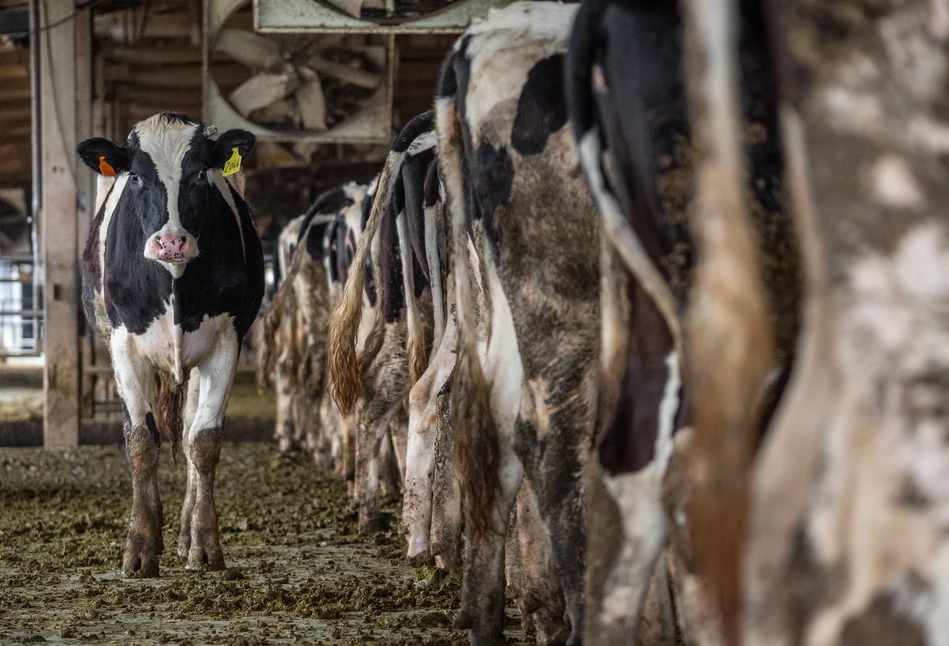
(345, 368)
(730, 339)
(283, 304)
(415, 339)
(169, 403)
(476, 438)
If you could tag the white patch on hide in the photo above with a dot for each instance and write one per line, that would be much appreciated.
(894, 185)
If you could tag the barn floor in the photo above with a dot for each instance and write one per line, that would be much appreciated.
(297, 571)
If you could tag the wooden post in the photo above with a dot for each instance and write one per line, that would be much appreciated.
(58, 222)
(86, 186)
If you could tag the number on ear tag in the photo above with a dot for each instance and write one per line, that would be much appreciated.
(105, 167)
(233, 164)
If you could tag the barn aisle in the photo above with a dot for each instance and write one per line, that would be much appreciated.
(298, 573)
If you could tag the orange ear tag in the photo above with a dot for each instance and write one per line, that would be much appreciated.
(105, 168)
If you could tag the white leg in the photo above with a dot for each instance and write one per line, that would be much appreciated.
(191, 409)
(133, 376)
(204, 448)
(420, 458)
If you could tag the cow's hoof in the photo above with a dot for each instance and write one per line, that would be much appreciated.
(207, 556)
(199, 559)
(373, 523)
(420, 559)
(140, 558)
(463, 621)
(184, 545)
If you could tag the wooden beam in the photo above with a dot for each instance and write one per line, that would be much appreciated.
(58, 224)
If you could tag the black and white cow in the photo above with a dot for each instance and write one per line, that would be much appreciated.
(173, 278)
(523, 393)
(295, 325)
(667, 176)
(396, 350)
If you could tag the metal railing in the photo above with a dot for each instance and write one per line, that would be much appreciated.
(21, 313)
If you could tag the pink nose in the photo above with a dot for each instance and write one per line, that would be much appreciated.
(171, 247)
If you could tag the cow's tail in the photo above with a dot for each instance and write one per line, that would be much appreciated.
(730, 336)
(433, 252)
(169, 403)
(415, 340)
(283, 304)
(346, 370)
(476, 439)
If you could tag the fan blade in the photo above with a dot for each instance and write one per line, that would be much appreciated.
(253, 50)
(312, 105)
(261, 90)
(345, 73)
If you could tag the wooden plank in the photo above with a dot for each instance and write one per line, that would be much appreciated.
(15, 113)
(152, 96)
(13, 71)
(175, 77)
(15, 56)
(60, 249)
(15, 94)
(142, 55)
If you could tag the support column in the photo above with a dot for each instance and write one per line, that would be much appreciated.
(58, 222)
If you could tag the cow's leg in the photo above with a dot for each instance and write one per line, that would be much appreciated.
(390, 481)
(133, 376)
(191, 409)
(373, 421)
(399, 435)
(204, 447)
(447, 515)
(541, 599)
(420, 452)
(482, 594)
(657, 626)
(284, 430)
(555, 424)
(629, 510)
(420, 457)
(350, 425)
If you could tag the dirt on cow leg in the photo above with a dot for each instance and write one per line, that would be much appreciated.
(144, 537)
(446, 499)
(298, 572)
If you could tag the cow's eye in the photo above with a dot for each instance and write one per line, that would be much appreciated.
(135, 179)
(202, 174)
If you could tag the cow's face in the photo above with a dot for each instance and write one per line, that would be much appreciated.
(172, 171)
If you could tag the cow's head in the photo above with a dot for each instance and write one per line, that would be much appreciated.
(168, 172)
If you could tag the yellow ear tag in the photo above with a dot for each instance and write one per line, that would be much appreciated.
(233, 164)
(105, 168)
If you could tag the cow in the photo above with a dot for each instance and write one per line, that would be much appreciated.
(173, 278)
(298, 318)
(524, 389)
(846, 533)
(396, 350)
(287, 431)
(701, 295)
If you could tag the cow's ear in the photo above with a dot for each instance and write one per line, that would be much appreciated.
(103, 156)
(224, 147)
